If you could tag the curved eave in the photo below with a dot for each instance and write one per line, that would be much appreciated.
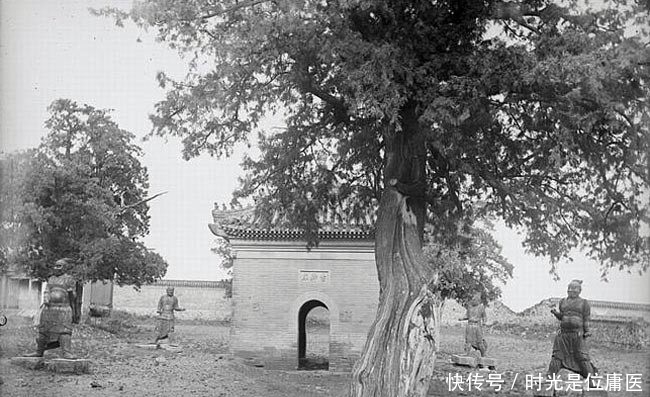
(218, 231)
(286, 234)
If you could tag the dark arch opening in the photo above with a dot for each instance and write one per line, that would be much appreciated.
(319, 328)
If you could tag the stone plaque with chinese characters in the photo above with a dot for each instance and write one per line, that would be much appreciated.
(314, 276)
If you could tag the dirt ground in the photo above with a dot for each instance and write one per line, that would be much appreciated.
(204, 368)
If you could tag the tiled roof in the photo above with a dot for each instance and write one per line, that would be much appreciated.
(246, 225)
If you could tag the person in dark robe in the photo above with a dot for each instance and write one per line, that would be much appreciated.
(570, 349)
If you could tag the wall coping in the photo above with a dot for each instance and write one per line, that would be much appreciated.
(612, 305)
(187, 283)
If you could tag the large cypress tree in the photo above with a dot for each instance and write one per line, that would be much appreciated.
(533, 111)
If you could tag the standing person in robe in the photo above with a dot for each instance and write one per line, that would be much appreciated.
(167, 305)
(570, 348)
(475, 317)
(55, 322)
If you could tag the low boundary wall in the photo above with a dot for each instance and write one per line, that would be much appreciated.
(203, 300)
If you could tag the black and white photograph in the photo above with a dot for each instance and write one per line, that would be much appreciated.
(324, 198)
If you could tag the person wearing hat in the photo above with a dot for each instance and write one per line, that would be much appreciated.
(55, 322)
(570, 350)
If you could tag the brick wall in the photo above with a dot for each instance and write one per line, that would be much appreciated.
(272, 281)
(203, 300)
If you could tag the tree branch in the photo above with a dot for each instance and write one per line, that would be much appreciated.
(515, 12)
(244, 4)
(338, 106)
(127, 207)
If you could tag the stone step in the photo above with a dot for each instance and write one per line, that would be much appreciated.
(171, 348)
(164, 346)
(467, 361)
(59, 365)
(152, 346)
(28, 362)
(62, 365)
(487, 362)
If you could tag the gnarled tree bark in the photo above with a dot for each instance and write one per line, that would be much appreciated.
(399, 355)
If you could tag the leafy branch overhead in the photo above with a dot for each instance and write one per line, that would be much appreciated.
(532, 111)
(442, 112)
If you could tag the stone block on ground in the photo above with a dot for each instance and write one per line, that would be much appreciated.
(487, 362)
(152, 346)
(467, 361)
(171, 348)
(61, 365)
(28, 362)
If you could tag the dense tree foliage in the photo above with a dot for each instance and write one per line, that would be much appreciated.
(467, 268)
(533, 111)
(14, 168)
(543, 125)
(80, 195)
(224, 251)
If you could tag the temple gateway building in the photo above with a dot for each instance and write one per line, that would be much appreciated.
(277, 281)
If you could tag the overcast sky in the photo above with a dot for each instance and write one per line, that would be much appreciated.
(56, 49)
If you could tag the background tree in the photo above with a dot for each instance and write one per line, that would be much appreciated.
(423, 109)
(83, 197)
(14, 169)
(224, 251)
(473, 265)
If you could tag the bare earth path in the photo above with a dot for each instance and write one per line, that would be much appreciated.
(204, 367)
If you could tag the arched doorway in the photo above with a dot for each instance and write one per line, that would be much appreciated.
(313, 336)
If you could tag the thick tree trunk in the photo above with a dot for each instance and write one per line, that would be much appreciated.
(399, 355)
(438, 308)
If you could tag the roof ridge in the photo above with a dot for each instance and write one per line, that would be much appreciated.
(245, 223)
